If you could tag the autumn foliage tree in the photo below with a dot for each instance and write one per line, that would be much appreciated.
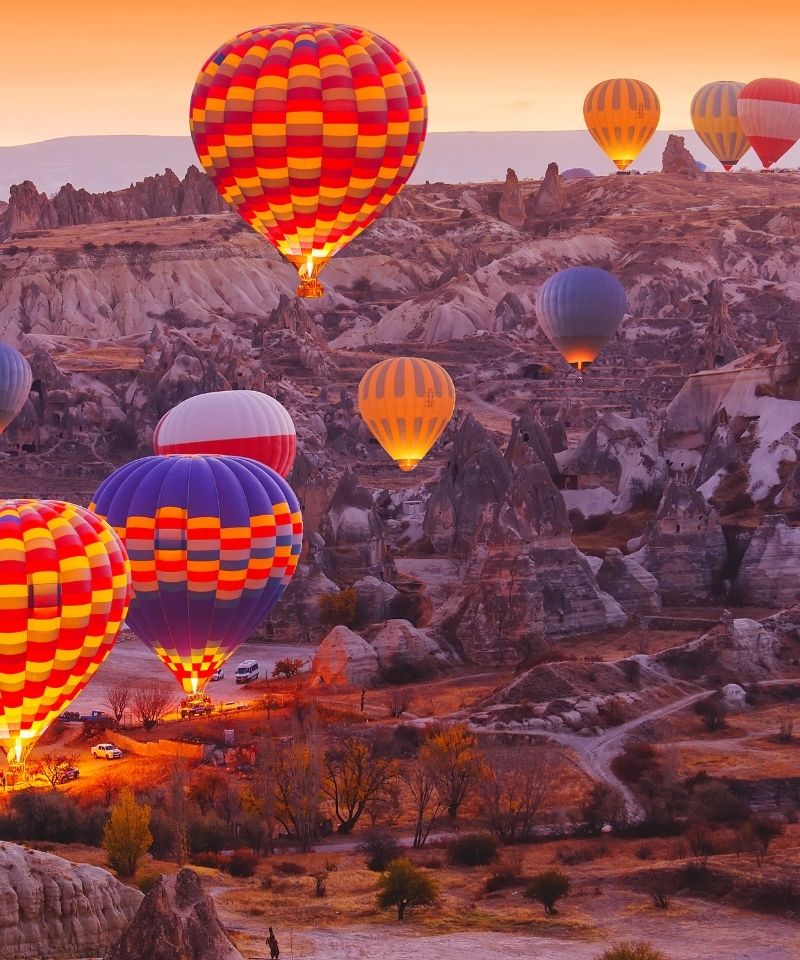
(127, 837)
(52, 766)
(513, 785)
(339, 608)
(452, 758)
(355, 777)
(151, 702)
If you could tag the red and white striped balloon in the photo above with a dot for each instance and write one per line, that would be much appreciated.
(769, 112)
(240, 423)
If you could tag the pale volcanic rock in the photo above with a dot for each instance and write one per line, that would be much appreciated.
(719, 343)
(476, 476)
(353, 532)
(374, 600)
(550, 198)
(769, 574)
(677, 159)
(298, 614)
(529, 434)
(684, 546)
(177, 920)
(619, 454)
(345, 659)
(398, 640)
(512, 202)
(633, 587)
(52, 908)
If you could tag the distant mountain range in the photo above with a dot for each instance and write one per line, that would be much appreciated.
(113, 162)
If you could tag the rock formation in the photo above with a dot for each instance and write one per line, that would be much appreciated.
(163, 195)
(528, 434)
(550, 198)
(629, 584)
(177, 920)
(399, 640)
(512, 202)
(769, 574)
(677, 159)
(353, 533)
(345, 659)
(719, 346)
(51, 908)
(684, 546)
(721, 455)
(476, 476)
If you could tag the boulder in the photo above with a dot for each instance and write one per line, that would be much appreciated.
(177, 920)
(677, 159)
(398, 639)
(374, 600)
(345, 659)
(52, 908)
(512, 202)
(769, 574)
(629, 583)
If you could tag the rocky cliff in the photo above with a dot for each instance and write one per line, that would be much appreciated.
(51, 908)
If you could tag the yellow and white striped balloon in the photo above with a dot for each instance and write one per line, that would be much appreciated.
(715, 117)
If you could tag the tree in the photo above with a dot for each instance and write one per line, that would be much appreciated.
(296, 785)
(338, 608)
(355, 777)
(404, 885)
(548, 888)
(127, 837)
(52, 766)
(603, 806)
(453, 761)
(756, 834)
(118, 699)
(151, 702)
(288, 667)
(258, 798)
(632, 951)
(513, 785)
(421, 785)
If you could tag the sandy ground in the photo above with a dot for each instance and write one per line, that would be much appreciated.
(131, 661)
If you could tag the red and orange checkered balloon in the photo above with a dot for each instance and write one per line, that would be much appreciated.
(309, 130)
(64, 588)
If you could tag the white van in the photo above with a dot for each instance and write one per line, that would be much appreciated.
(247, 671)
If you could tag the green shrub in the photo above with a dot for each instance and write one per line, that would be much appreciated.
(548, 888)
(380, 848)
(632, 951)
(147, 880)
(241, 863)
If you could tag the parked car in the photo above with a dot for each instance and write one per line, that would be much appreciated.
(218, 674)
(67, 773)
(247, 671)
(107, 751)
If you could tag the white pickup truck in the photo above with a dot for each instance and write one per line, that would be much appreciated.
(107, 751)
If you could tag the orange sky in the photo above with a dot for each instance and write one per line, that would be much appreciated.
(91, 67)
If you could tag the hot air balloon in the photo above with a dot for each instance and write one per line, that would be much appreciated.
(621, 115)
(769, 110)
(309, 130)
(579, 310)
(406, 403)
(213, 542)
(716, 119)
(240, 423)
(64, 589)
(15, 383)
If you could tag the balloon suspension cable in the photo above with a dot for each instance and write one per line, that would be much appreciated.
(309, 284)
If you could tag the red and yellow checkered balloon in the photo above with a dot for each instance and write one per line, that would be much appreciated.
(64, 589)
(309, 130)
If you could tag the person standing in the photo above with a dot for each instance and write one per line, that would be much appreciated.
(272, 943)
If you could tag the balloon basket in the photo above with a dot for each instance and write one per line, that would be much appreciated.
(310, 287)
(407, 465)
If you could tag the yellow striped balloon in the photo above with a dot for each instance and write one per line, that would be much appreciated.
(621, 115)
(716, 120)
(406, 402)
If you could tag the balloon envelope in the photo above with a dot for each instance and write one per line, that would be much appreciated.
(309, 130)
(213, 543)
(239, 423)
(621, 115)
(15, 383)
(64, 589)
(406, 403)
(579, 310)
(715, 116)
(769, 109)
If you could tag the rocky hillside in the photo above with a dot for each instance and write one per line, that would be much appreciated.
(554, 505)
